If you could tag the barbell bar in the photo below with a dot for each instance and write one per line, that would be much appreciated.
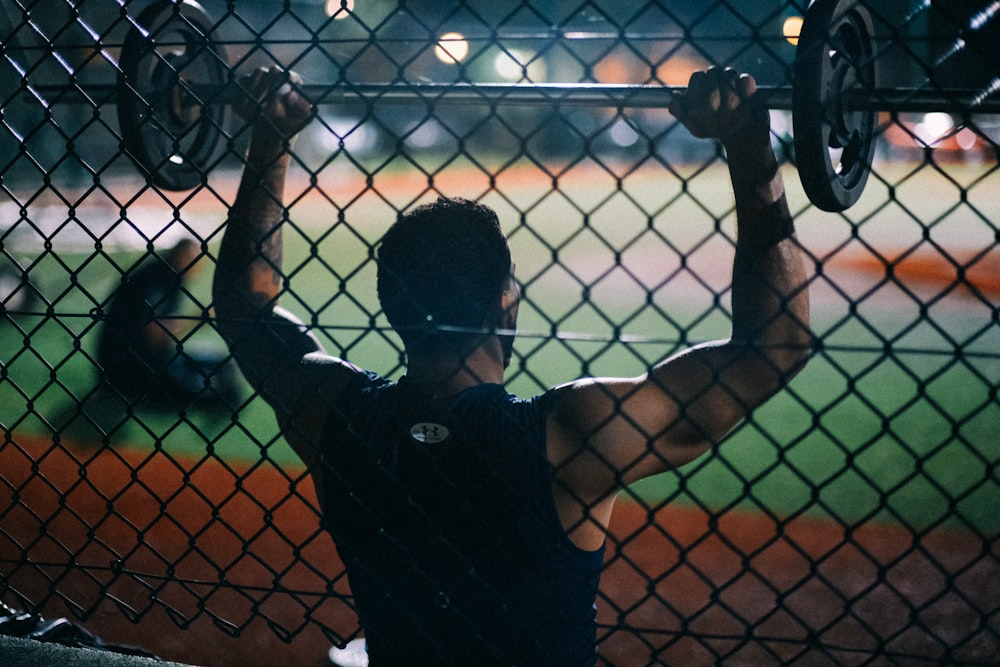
(594, 95)
(175, 82)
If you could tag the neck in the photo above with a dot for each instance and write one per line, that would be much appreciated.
(445, 375)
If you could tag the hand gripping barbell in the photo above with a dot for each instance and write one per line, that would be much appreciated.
(175, 82)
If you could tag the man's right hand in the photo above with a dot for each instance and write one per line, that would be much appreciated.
(720, 104)
(273, 106)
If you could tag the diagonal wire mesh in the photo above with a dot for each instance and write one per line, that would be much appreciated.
(851, 519)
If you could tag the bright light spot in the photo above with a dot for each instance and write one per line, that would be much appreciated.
(934, 127)
(791, 29)
(509, 64)
(781, 123)
(342, 133)
(676, 70)
(623, 134)
(939, 122)
(966, 139)
(339, 9)
(985, 16)
(452, 48)
(427, 135)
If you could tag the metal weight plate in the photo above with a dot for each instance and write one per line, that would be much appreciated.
(173, 135)
(834, 142)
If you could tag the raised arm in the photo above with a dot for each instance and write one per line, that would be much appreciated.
(277, 355)
(606, 433)
(248, 276)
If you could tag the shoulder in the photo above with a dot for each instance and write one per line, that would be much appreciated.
(492, 402)
(588, 399)
(346, 384)
(331, 377)
(605, 416)
(314, 395)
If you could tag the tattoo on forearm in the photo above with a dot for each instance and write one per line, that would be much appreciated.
(271, 249)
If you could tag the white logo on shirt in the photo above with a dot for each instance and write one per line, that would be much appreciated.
(429, 433)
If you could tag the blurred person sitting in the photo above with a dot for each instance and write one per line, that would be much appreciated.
(143, 352)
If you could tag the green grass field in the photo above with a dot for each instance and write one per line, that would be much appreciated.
(896, 418)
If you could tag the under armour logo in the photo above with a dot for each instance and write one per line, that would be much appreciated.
(429, 433)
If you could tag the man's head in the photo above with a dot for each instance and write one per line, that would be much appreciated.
(443, 270)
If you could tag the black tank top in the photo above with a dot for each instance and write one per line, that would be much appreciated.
(445, 520)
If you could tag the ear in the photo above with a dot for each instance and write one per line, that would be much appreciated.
(509, 302)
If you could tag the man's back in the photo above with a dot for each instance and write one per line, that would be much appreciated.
(487, 517)
(445, 518)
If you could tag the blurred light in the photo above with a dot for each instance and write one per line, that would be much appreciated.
(676, 70)
(509, 64)
(347, 134)
(966, 139)
(614, 68)
(623, 134)
(781, 123)
(791, 29)
(452, 48)
(984, 16)
(934, 127)
(427, 135)
(339, 9)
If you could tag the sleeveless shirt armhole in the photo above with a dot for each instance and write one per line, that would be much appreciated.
(542, 404)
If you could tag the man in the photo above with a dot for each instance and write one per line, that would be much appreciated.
(140, 349)
(472, 522)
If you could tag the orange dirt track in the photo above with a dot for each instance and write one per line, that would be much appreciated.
(195, 553)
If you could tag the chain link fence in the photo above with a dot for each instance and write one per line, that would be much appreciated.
(852, 520)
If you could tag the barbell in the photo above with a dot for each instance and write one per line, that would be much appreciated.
(175, 81)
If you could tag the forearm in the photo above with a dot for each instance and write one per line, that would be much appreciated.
(716, 384)
(690, 401)
(248, 275)
(770, 296)
(266, 341)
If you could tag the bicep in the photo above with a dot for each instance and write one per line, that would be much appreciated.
(610, 432)
(718, 384)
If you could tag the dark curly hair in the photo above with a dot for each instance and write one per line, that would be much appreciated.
(443, 264)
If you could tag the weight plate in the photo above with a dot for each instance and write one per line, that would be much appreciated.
(834, 143)
(172, 134)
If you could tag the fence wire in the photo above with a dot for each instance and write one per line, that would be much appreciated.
(852, 519)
